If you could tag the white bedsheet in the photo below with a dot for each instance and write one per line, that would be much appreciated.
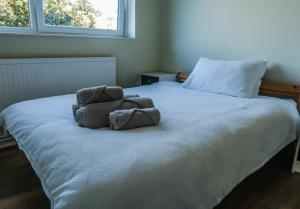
(206, 144)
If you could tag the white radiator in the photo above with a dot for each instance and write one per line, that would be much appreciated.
(24, 79)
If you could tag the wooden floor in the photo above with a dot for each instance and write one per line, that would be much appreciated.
(273, 187)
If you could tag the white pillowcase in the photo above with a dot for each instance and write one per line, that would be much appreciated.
(233, 78)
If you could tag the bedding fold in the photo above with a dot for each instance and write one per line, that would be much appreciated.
(134, 118)
(99, 94)
(131, 96)
(75, 108)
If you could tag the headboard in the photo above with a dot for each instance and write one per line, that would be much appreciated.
(25, 79)
(267, 89)
(281, 90)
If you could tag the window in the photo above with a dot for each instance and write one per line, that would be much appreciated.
(16, 16)
(87, 17)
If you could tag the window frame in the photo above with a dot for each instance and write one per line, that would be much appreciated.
(38, 26)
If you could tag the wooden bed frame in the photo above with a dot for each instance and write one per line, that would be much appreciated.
(275, 90)
(285, 91)
(281, 90)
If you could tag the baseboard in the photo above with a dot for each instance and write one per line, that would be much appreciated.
(7, 144)
(296, 167)
(6, 140)
(3, 132)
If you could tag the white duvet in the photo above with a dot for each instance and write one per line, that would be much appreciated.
(206, 144)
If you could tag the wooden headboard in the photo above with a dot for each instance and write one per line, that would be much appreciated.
(267, 89)
(281, 90)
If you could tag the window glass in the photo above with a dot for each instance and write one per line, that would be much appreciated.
(14, 13)
(98, 14)
(75, 17)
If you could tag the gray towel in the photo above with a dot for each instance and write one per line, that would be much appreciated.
(134, 118)
(96, 115)
(136, 102)
(129, 102)
(99, 94)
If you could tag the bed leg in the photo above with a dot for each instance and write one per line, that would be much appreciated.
(296, 165)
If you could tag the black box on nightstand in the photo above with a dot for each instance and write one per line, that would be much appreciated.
(154, 77)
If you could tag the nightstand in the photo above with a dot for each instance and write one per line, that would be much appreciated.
(154, 77)
(296, 165)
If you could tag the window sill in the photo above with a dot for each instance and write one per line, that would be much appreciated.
(58, 35)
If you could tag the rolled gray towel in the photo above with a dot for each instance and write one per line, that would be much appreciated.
(134, 118)
(136, 102)
(96, 115)
(99, 94)
(129, 102)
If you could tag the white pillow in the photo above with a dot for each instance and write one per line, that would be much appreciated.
(233, 78)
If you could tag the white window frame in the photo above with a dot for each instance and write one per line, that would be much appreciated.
(38, 26)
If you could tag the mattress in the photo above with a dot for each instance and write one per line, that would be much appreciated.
(205, 145)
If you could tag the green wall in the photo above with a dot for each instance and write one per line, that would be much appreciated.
(233, 29)
(133, 55)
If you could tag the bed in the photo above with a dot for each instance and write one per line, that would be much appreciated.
(206, 144)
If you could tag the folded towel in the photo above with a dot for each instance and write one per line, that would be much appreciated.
(96, 115)
(99, 94)
(136, 102)
(129, 102)
(134, 118)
